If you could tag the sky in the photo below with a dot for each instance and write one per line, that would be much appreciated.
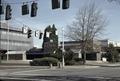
(46, 16)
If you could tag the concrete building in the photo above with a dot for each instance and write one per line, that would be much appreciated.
(99, 47)
(74, 46)
(103, 44)
(12, 39)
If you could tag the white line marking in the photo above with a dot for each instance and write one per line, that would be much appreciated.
(28, 71)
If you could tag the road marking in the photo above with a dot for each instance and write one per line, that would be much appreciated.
(28, 71)
(99, 77)
(80, 67)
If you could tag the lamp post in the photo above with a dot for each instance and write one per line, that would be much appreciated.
(63, 50)
(83, 45)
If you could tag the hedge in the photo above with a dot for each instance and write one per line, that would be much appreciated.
(45, 61)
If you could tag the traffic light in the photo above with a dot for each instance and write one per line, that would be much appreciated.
(65, 4)
(8, 12)
(29, 33)
(55, 4)
(25, 9)
(1, 9)
(40, 36)
(34, 9)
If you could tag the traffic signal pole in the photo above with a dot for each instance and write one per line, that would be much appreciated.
(8, 40)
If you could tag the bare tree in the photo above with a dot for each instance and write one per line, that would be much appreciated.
(117, 1)
(88, 24)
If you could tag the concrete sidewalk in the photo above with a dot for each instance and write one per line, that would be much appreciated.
(89, 64)
(15, 62)
(102, 64)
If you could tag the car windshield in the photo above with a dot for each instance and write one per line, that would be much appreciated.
(60, 40)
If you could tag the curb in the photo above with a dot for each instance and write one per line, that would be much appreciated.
(104, 65)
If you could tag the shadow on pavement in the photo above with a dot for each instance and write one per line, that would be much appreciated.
(59, 78)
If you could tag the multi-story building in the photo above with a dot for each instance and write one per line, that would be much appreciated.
(13, 39)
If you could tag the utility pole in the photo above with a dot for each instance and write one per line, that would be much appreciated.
(63, 50)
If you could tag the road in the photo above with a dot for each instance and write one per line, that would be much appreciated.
(71, 72)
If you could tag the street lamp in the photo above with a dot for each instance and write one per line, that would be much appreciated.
(83, 45)
(63, 50)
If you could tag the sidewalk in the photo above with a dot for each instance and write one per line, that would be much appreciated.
(89, 64)
(102, 64)
(15, 62)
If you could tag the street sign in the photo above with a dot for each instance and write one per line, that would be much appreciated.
(25, 30)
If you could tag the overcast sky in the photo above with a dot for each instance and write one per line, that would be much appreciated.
(46, 16)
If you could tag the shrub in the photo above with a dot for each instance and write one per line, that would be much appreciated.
(78, 59)
(45, 61)
(112, 54)
(72, 62)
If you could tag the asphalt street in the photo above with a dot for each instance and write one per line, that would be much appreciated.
(70, 73)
